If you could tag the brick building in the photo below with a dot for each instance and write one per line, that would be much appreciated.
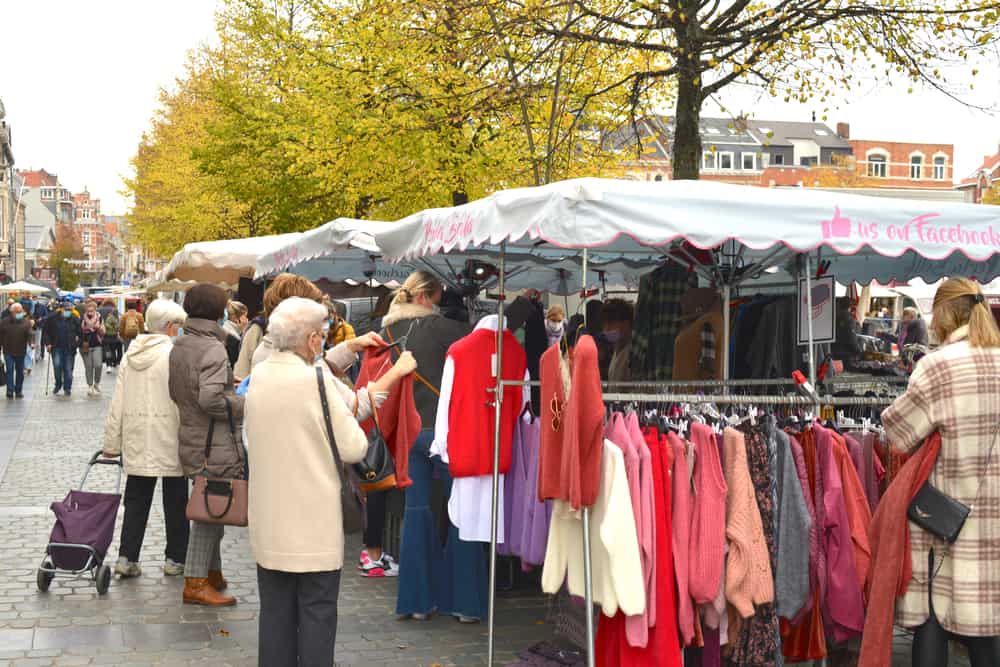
(894, 164)
(985, 178)
(796, 154)
(47, 204)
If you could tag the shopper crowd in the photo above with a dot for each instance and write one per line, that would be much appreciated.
(218, 401)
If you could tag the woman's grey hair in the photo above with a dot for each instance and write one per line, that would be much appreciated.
(161, 313)
(293, 320)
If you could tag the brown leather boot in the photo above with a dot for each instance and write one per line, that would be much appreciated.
(217, 581)
(199, 591)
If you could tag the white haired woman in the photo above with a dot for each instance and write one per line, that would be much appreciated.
(142, 428)
(296, 519)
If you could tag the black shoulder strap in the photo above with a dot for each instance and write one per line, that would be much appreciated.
(327, 421)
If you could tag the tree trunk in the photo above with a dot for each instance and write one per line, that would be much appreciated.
(687, 138)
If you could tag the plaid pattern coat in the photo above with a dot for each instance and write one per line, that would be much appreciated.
(956, 391)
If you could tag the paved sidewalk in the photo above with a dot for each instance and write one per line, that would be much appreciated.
(45, 442)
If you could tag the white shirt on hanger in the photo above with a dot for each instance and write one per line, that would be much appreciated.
(470, 505)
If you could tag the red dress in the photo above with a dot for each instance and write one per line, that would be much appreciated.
(664, 647)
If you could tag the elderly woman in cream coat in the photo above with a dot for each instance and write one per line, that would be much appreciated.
(142, 428)
(295, 514)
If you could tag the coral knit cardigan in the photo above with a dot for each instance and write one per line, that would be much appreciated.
(569, 466)
(749, 580)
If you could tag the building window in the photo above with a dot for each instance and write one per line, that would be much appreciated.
(940, 167)
(658, 177)
(808, 161)
(86, 238)
(749, 161)
(726, 161)
(876, 166)
(916, 166)
(778, 159)
(708, 160)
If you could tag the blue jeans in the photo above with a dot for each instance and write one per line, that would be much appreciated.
(15, 373)
(63, 361)
(453, 579)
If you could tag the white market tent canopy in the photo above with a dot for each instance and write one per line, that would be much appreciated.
(21, 286)
(345, 250)
(870, 238)
(354, 239)
(222, 262)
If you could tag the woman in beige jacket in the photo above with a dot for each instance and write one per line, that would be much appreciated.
(295, 514)
(142, 428)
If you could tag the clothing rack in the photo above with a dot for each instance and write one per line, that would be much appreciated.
(746, 399)
(728, 282)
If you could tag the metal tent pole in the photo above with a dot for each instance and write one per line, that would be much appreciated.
(588, 580)
(495, 507)
(809, 321)
(726, 290)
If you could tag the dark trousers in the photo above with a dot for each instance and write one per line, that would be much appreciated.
(112, 351)
(138, 500)
(298, 618)
(375, 519)
(930, 640)
(15, 373)
(63, 361)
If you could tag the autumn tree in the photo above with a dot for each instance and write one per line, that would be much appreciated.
(65, 255)
(992, 196)
(175, 200)
(793, 49)
(843, 173)
(306, 110)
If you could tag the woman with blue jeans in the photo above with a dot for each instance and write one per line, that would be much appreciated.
(449, 578)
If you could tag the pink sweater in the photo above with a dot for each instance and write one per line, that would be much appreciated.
(681, 493)
(707, 548)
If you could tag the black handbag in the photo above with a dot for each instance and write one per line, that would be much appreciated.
(377, 472)
(350, 503)
(938, 513)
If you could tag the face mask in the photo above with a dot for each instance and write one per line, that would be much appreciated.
(180, 332)
(67, 314)
(553, 327)
(19, 316)
(613, 336)
(436, 308)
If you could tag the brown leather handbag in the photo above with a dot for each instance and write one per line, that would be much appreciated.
(216, 499)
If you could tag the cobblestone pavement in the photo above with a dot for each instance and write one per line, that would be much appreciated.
(142, 621)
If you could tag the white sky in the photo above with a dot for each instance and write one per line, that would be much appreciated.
(80, 83)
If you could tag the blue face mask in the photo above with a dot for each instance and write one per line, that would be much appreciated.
(180, 332)
(67, 314)
(19, 316)
(225, 318)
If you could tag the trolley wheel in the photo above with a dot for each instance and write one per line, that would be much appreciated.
(103, 579)
(44, 579)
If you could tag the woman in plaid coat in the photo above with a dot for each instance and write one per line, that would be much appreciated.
(956, 392)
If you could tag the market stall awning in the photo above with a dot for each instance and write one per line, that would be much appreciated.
(223, 262)
(23, 287)
(870, 237)
(337, 235)
(345, 250)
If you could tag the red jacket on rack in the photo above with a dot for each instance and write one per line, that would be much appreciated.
(471, 411)
(569, 463)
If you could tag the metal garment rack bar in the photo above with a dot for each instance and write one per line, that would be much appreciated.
(739, 399)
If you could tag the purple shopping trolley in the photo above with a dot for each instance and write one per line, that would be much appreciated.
(85, 526)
